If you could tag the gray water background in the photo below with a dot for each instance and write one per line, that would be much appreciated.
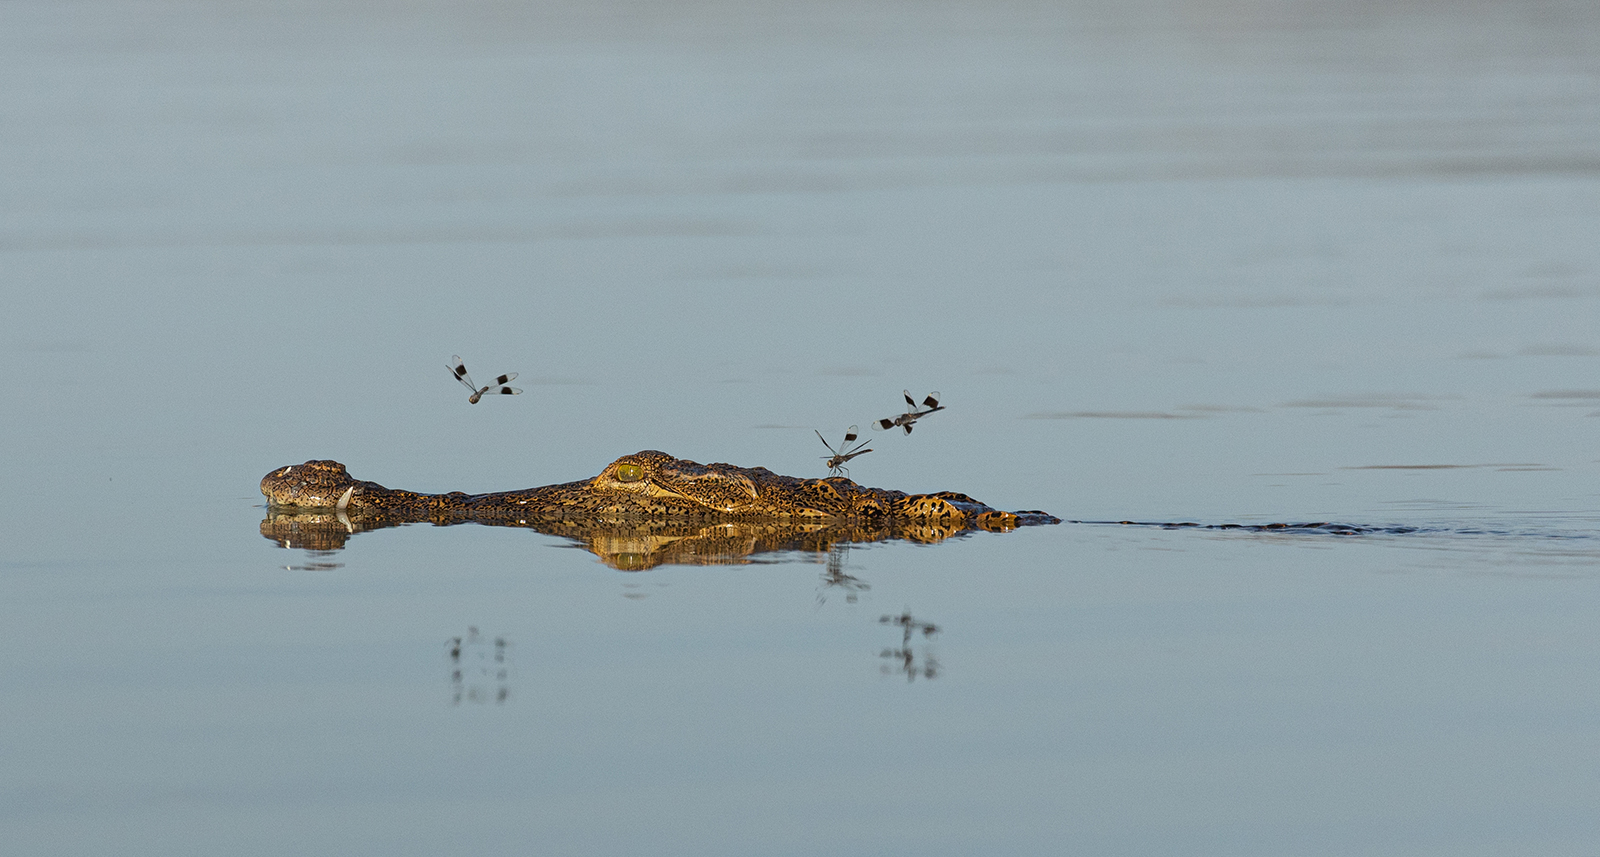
(1166, 261)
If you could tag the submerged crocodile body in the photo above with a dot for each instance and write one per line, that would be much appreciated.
(650, 489)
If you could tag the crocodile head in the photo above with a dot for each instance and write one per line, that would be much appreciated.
(315, 484)
(659, 476)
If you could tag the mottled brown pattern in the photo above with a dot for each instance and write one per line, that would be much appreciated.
(650, 485)
(630, 546)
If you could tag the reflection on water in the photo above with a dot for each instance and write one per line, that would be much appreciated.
(480, 671)
(905, 659)
(1540, 539)
(313, 564)
(634, 546)
(1152, 249)
(836, 578)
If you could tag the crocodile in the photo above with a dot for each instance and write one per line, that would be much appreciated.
(647, 492)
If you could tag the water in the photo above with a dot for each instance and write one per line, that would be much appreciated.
(1166, 262)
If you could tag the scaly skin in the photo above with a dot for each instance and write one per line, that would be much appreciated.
(647, 485)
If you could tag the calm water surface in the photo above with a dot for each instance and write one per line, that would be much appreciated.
(1195, 261)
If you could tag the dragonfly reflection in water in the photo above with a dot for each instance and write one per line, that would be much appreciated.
(906, 659)
(913, 413)
(844, 453)
(472, 672)
(836, 578)
(459, 369)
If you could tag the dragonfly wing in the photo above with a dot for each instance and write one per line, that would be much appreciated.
(459, 369)
(932, 402)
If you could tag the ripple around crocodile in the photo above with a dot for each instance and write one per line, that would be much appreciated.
(1508, 531)
(1327, 528)
(641, 510)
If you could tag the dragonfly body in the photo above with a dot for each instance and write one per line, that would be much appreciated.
(844, 453)
(913, 413)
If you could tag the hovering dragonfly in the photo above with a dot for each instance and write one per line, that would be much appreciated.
(843, 453)
(459, 369)
(905, 420)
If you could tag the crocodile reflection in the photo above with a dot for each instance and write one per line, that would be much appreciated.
(627, 546)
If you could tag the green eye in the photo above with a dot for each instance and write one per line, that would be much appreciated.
(629, 473)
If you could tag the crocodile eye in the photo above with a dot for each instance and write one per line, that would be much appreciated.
(629, 473)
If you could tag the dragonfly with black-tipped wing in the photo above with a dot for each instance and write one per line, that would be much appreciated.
(916, 412)
(498, 388)
(843, 453)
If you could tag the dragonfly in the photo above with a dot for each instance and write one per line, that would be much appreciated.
(843, 453)
(459, 369)
(905, 420)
